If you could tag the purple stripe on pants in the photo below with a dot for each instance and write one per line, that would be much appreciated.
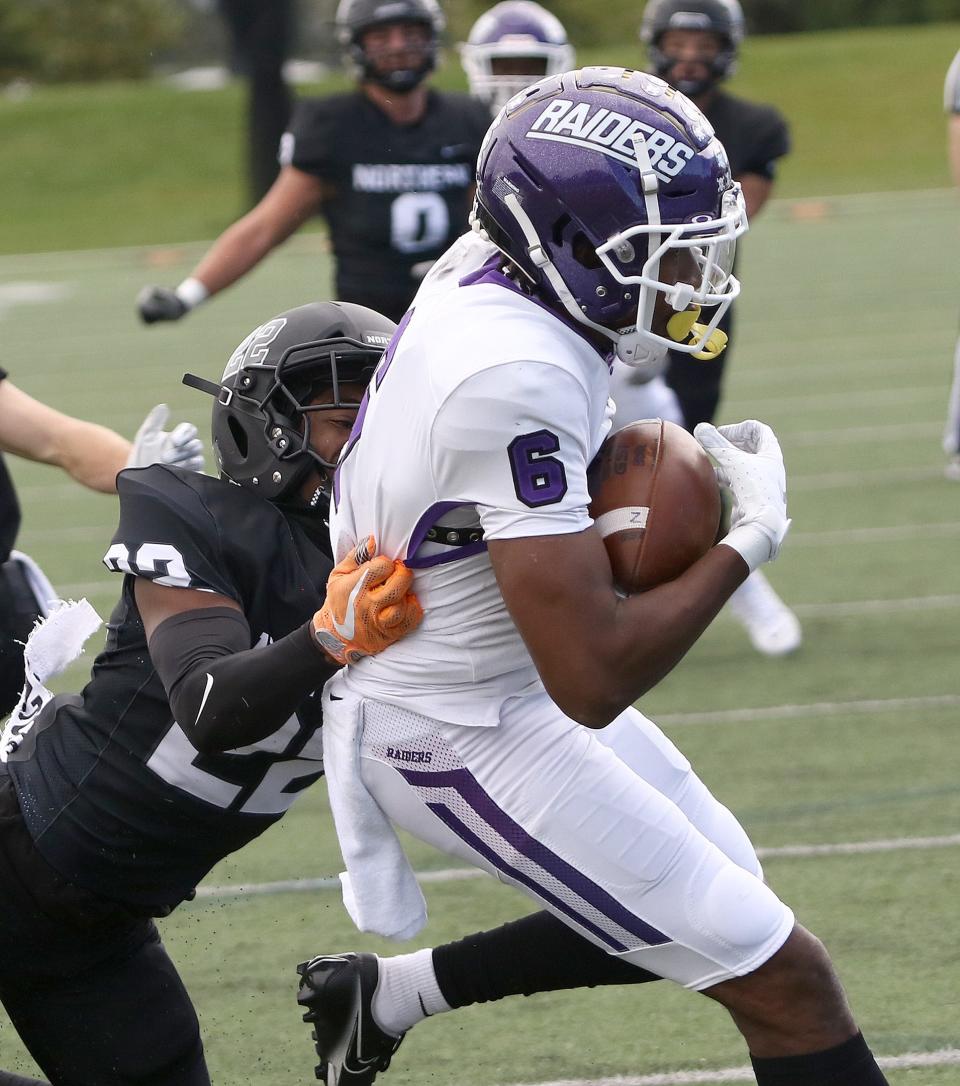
(463, 782)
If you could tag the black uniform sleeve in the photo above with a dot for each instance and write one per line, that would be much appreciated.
(3, 373)
(169, 534)
(225, 695)
(310, 142)
(771, 141)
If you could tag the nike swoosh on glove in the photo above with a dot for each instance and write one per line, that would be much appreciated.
(749, 463)
(179, 447)
(369, 605)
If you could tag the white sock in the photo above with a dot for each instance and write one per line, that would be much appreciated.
(407, 992)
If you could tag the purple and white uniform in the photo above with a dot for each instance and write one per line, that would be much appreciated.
(483, 416)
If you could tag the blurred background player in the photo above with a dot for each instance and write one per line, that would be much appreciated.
(513, 44)
(390, 167)
(88, 453)
(951, 103)
(260, 35)
(115, 803)
(693, 45)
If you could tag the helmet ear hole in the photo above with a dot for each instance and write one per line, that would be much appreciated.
(584, 253)
(239, 436)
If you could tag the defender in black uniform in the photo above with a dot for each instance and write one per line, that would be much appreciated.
(389, 166)
(115, 803)
(693, 45)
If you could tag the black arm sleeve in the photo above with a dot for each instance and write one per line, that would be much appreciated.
(224, 694)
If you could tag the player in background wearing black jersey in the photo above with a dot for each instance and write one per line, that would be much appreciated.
(115, 803)
(389, 166)
(90, 454)
(693, 45)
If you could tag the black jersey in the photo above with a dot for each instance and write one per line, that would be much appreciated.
(399, 194)
(753, 135)
(9, 507)
(115, 797)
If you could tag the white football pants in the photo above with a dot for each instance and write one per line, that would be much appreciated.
(610, 830)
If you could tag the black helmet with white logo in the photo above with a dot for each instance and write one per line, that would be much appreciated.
(261, 414)
(355, 17)
(724, 18)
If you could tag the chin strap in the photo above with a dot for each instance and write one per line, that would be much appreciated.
(683, 326)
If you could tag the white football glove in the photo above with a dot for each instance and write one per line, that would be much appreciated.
(180, 447)
(750, 464)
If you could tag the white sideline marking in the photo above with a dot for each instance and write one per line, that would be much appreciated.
(893, 533)
(460, 874)
(856, 435)
(941, 1058)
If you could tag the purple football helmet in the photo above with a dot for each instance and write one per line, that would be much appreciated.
(604, 185)
(522, 33)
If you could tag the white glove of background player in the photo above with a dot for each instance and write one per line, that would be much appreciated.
(180, 447)
(750, 464)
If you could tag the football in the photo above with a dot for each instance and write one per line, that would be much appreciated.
(655, 500)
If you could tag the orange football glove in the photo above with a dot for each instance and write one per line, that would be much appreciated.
(368, 607)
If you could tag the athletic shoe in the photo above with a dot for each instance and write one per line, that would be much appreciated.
(338, 990)
(951, 469)
(772, 627)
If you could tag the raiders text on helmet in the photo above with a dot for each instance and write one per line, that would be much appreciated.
(261, 414)
(355, 17)
(724, 18)
(522, 33)
(589, 181)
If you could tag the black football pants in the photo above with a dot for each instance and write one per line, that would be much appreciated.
(87, 984)
(698, 383)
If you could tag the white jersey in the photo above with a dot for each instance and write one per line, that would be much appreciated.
(481, 418)
(951, 87)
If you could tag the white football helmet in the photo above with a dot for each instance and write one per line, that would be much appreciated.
(520, 36)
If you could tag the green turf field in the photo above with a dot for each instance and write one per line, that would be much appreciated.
(846, 332)
(131, 164)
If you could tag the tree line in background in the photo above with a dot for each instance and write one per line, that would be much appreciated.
(77, 40)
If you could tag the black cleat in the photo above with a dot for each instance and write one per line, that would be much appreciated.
(337, 992)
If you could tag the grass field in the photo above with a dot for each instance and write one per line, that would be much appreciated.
(135, 164)
(848, 749)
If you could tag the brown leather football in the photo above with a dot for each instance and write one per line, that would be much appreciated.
(655, 500)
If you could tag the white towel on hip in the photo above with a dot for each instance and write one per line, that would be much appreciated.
(380, 890)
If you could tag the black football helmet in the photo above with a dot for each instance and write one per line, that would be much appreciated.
(354, 17)
(261, 413)
(721, 17)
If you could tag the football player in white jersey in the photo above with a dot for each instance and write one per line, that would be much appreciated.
(501, 730)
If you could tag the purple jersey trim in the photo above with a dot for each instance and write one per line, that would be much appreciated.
(463, 782)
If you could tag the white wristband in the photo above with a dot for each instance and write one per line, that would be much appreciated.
(192, 292)
(752, 543)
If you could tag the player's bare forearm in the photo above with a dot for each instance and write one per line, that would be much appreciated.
(238, 249)
(756, 191)
(291, 200)
(596, 651)
(89, 453)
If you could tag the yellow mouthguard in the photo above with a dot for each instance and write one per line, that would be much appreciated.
(683, 325)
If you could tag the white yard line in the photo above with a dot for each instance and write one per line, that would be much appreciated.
(944, 1057)
(459, 874)
(867, 706)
